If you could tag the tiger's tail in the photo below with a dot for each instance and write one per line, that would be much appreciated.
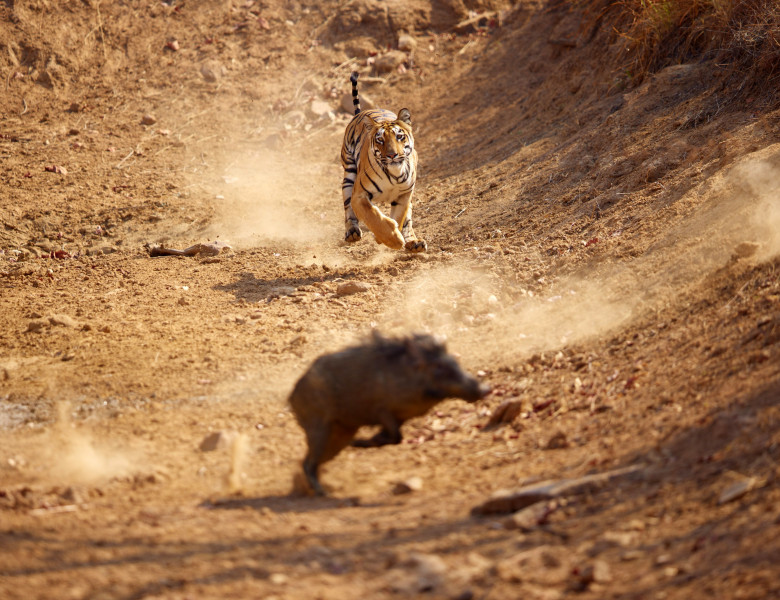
(355, 99)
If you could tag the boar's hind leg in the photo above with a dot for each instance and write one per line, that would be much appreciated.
(324, 444)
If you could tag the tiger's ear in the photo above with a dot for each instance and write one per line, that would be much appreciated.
(405, 116)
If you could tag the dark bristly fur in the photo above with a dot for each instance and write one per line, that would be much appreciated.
(385, 383)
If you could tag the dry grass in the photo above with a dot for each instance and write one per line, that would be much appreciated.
(742, 35)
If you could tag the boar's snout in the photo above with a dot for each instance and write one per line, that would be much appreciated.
(474, 391)
(452, 382)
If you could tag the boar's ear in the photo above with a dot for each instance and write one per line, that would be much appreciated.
(405, 116)
(415, 351)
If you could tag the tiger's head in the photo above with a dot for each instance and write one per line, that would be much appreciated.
(393, 143)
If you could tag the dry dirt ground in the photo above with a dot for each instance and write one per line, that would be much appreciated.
(603, 254)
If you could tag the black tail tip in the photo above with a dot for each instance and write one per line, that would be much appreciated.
(354, 77)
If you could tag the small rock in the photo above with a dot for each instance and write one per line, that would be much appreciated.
(529, 518)
(413, 484)
(557, 442)
(419, 573)
(282, 290)
(506, 412)
(278, 578)
(74, 495)
(319, 108)
(64, 321)
(737, 489)
(545, 565)
(352, 287)
(598, 572)
(746, 249)
(406, 43)
(107, 249)
(148, 120)
(671, 571)
(209, 73)
(74, 107)
(37, 325)
(214, 441)
(387, 63)
(183, 301)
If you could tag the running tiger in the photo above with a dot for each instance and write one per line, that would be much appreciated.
(380, 164)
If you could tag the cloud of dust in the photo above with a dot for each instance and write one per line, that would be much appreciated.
(266, 196)
(239, 450)
(487, 316)
(759, 184)
(74, 457)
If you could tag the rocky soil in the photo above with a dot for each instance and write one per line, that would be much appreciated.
(603, 253)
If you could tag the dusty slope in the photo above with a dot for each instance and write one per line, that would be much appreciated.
(606, 257)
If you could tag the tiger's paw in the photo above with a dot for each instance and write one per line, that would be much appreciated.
(395, 240)
(416, 246)
(353, 235)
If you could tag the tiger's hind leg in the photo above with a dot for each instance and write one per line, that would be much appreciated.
(401, 211)
(351, 223)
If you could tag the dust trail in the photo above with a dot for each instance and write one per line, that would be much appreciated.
(266, 196)
(238, 456)
(74, 457)
(287, 200)
(488, 317)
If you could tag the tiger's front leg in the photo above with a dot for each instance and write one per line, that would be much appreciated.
(401, 213)
(384, 228)
(352, 226)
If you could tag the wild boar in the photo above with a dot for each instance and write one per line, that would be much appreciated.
(384, 382)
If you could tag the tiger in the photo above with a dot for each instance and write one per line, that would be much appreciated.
(380, 164)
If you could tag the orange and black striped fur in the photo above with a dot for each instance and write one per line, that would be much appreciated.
(380, 165)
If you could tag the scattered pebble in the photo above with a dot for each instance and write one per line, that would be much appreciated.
(557, 441)
(737, 489)
(319, 108)
(214, 441)
(389, 62)
(406, 43)
(529, 518)
(413, 484)
(746, 249)
(148, 120)
(37, 325)
(352, 287)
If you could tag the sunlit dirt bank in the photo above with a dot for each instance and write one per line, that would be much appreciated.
(602, 230)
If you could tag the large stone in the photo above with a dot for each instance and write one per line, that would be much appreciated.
(509, 501)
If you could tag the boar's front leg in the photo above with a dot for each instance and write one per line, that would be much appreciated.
(389, 434)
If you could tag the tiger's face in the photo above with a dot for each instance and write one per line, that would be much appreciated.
(393, 143)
